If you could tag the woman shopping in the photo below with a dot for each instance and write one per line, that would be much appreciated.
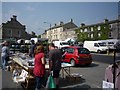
(39, 66)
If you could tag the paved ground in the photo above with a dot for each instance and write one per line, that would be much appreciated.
(7, 82)
(92, 78)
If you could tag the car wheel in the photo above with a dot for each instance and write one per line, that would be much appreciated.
(72, 62)
(99, 51)
(88, 64)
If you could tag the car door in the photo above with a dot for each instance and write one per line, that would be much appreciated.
(69, 54)
(63, 51)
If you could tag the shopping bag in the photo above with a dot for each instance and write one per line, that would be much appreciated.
(50, 82)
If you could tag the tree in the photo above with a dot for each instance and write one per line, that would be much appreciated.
(33, 34)
(39, 36)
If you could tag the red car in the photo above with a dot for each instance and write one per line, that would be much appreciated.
(76, 55)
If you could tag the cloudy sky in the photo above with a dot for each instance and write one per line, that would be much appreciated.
(34, 14)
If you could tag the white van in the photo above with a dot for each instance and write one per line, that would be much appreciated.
(0, 47)
(111, 43)
(60, 44)
(95, 46)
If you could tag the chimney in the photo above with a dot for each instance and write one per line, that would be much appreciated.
(14, 17)
(105, 20)
(55, 24)
(71, 20)
(61, 23)
(82, 24)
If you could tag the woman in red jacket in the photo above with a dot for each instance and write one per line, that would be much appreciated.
(39, 66)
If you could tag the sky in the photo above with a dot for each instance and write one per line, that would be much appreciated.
(34, 14)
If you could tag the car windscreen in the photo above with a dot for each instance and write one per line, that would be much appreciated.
(83, 51)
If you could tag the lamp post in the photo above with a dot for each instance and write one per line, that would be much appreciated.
(50, 31)
(117, 29)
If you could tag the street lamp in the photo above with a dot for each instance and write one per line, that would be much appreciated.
(49, 29)
(48, 23)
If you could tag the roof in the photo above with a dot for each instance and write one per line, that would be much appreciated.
(109, 22)
(66, 25)
(13, 23)
(69, 25)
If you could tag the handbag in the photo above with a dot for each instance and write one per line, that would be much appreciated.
(50, 82)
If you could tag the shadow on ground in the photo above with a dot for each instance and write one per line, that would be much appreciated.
(71, 81)
(87, 66)
(66, 83)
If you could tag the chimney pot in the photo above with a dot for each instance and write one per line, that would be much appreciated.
(71, 20)
(14, 17)
(82, 24)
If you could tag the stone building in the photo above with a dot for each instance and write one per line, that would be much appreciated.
(13, 29)
(99, 31)
(61, 31)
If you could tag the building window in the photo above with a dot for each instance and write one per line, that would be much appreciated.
(19, 33)
(110, 26)
(61, 30)
(85, 30)
(81, 30)
(91, 35)
(10, 32)
(99, 35)
(110, 34)
(91, 29)
(88, 35)
(98, 27)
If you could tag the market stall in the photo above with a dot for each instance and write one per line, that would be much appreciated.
(23, 64)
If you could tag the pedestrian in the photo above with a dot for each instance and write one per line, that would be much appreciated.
(55, 58)
(32, 48)
(39, 66)
(5, 54)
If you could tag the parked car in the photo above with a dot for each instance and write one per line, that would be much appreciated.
(76, 55)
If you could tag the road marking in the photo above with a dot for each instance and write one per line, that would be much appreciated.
(76, 85)
(96, 86)
(98, 62)
(72, 86)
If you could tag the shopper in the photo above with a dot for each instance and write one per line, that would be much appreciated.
(55, 57)
(39, 66)
(5, 54)
(32, 48)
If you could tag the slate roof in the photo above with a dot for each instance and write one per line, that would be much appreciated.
(66, 26)
(13, 23)
(109, 22)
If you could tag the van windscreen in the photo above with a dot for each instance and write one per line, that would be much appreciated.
(102, 44)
